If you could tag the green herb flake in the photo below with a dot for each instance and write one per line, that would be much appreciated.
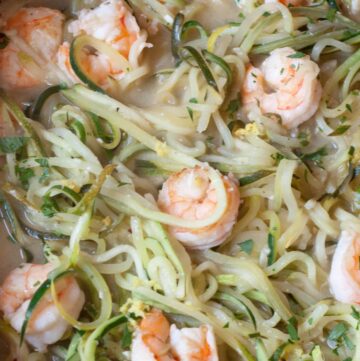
(24, 174)
(193, 101)
(277, 157)
(348, 107)
(49, 207)
(44, 163)
(126, 337)
(296, 55)
(355, 313)
(330, 15)
(247, 246)
(266, 14)
(233, 106)
(316, 156)
(191, 113)
(340, 130)
(12, 144)
(276, 356)
(227, 324)
(348, 343)
(251, 178)
(254, 335)
(304, 138)
(338, 337)
(272, 249)
(292, 329)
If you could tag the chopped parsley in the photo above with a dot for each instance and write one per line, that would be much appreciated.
(330, 15)
(277, 157)
(316, 156)
(356, 314)
(276, 356)
(191, 113)
(126, 337)
(296, 55)
(338, 337)
(292, 329)
(272, 249)
(247, 246)
(49, 207)
(304, 138)
(233, 106)
(12, 144)
(340, 130)
(44, 163)
(24, 174)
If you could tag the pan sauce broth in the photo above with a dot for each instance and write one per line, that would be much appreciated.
(158, 57)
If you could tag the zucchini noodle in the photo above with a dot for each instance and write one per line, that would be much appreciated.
(203, 172)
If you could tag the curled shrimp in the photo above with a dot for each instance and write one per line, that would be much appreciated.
(41, 29)
(113, 23)
(190, 194)
(193, 344)
(155, 340)
(151, 339)
(46, 326)
(352, 8)
(344, 278)
(286, 84)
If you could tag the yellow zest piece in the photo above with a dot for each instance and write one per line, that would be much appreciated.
(161, 149)
(135, 307)
(250, 129)
(214, 36)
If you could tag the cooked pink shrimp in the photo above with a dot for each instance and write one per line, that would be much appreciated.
(193, 344)
(295, 90)
(351, 7)
(46, 326)
(113, 23)
(41, 29)
(155, 341)
(344, 278)
(191, 195)
(151, 341)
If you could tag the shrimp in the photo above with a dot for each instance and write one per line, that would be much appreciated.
(46, 326)
(155, 340)
(41, 29)
(351, 7)
(193, 344)
(344, 278)
(113, 23)
(292, 78)
(151, 339)
(190, 194)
